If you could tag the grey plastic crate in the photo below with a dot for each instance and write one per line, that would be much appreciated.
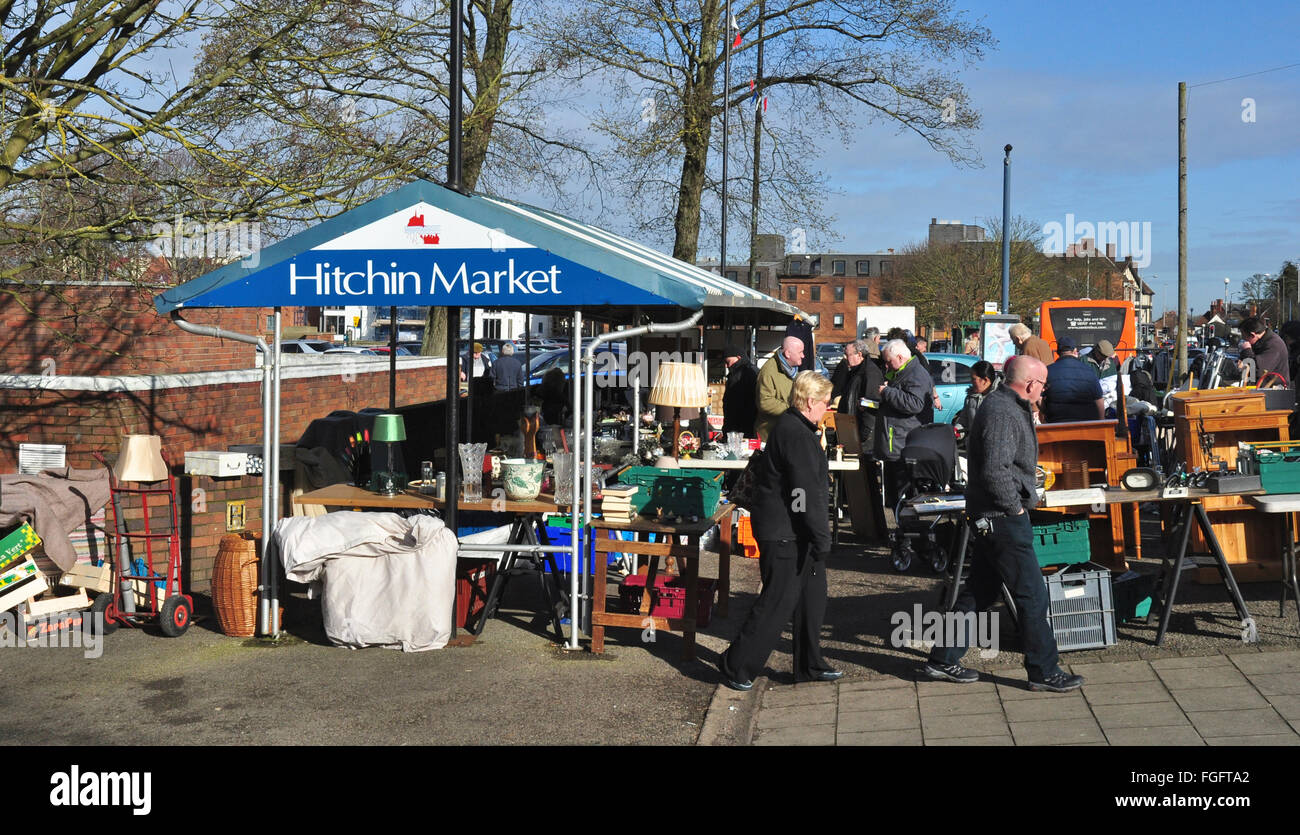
(1080, 608)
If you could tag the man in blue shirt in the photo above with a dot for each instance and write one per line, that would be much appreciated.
(1073, 389)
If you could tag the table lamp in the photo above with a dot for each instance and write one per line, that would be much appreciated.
(387, 468)
(679, 385)
(140, 459)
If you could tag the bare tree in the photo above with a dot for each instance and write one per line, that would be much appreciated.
(834, 59)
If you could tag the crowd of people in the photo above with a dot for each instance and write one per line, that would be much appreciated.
(888, 389)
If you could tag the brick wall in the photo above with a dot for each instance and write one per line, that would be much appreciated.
(193, 418)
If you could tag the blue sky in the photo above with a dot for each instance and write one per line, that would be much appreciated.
(1088, 96)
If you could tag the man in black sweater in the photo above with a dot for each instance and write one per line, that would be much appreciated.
(1267, 348)
(1000, 492)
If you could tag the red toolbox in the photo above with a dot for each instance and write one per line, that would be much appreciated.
(668, 598)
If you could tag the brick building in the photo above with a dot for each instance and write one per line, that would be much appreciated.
(833, 286)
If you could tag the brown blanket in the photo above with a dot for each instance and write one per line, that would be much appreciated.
(56, 502)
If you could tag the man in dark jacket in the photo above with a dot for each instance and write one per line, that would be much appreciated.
(1000, 491)
(1073, 389)
(906, 402)
(1267, 349)
(863, 379)
(508, 371)
(740, 399)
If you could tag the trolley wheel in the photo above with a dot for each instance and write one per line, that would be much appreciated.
(902, 558)
(938, 559)
(175, 616)
(103, 606)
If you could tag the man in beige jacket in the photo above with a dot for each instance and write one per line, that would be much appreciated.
(775, 382)
(1029, 345)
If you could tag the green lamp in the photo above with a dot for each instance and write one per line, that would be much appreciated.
(388, 470)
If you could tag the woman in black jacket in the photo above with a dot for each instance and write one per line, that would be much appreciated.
(789, 515)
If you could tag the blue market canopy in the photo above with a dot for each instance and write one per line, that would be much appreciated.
(428, 245)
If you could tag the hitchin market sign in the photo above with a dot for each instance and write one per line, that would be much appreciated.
(424, 255)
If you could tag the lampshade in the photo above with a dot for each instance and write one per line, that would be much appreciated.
(389, 428)
(140, 459)
(680, 384)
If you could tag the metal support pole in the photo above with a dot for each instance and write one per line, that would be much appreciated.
(575, 562)
(274, 467)
(453, 417)
(1181, 366)
(454, 98)
(1006, 230)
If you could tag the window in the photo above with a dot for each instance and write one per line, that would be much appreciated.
(731, 275)
(863, 293)
(791, 293)
(816, 267)
(864, 268)
(949, 373)
(886, 268)
(837, 267)
(796, 266)
(815, 293)
(839, 292)
(839, 321)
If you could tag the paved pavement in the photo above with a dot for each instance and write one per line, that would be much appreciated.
(1247, 697)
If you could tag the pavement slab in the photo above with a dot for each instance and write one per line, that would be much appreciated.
(800, 715)
(1261, 740)
(1186, 678)
(1267, 662)
(864, 721)
(876, 684)
(1190, 661)
(1274, 684)
(1120, 671)
(1288, 706)
(975, 741)
(954, 705)
(1020, 690)
(1035, 710)
(799, 735)
(1142, 715)
(1057, 732)
(877, 700)
(1154, 737)
(795, 696)
(1219, 698)
(1239, 723)
(979, 724)
(1124, 693)
(890, 738)
(951, 688)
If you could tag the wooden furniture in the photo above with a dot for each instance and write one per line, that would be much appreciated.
(1252, 541)
(1113, 531)
(688, 556)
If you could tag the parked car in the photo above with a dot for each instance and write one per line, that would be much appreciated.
(831, 354)
(382, 350)
(305, 346)
(818, 365)
(353, 349)
(562, 359)
(951, 375)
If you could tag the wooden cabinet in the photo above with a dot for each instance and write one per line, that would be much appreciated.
(1113, 531)
(1252, 541)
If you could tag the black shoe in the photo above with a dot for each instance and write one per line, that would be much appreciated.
(825, 675)
(1059, 682)
(730, 680)
(951, 672)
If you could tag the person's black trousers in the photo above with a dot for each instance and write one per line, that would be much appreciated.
(794, 588)
(1006, 555)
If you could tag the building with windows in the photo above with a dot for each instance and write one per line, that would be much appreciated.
(834, 285)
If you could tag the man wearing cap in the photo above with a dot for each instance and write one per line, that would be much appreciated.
(740, 399)
(1073, 389)
(1102, 359)
(1029, 345)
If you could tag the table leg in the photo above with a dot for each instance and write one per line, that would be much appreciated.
(1174, 571)
(1289, 570)
(598, 602)
(835, 509)
(1224, 570)
(692, 579)
(724, 566)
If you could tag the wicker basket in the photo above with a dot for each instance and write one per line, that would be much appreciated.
(234, 584)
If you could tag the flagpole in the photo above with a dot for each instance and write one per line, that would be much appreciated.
(726, 131)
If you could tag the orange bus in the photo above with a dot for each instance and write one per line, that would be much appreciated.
(1089, 320)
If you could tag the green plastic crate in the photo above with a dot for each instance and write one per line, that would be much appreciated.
(684, 493)
(1062, 543)
(1279, 472)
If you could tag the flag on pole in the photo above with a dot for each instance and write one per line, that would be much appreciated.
(736, 28)
(756, 100)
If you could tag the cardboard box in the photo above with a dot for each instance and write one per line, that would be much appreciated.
(89, 577)
(17, 543)
(216, 464)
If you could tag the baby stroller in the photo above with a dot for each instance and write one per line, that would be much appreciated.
(929, 471)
